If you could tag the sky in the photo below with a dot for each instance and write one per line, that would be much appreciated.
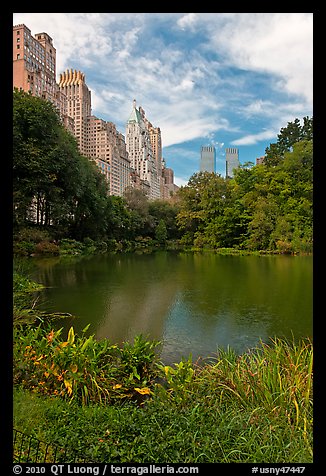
(221, 79)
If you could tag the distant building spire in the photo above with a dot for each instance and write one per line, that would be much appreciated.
(135, 114)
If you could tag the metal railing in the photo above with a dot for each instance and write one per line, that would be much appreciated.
(29, 449)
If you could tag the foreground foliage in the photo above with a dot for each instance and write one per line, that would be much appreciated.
(120, 404)
(80, 368)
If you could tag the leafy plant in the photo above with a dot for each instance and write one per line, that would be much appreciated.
(81, 368)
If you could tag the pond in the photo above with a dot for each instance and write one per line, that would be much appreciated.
(194, 303)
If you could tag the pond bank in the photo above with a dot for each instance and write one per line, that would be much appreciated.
(253, 408)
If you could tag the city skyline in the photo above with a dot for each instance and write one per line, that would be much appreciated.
(220, 79)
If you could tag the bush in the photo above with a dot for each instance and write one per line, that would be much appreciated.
(47, 248)
(69, 246)
(32, 234)
(23, 248)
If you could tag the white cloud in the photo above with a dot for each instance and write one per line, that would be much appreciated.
(187, 21)
(180, 182)
(277, 43)
(251, 139)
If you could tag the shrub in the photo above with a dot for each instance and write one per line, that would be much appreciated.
(23, 248)
(46, 248)
(32, 234)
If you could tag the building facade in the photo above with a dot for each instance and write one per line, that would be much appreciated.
(260, 160)
(78, 98)
(140, 152)
(34, 63)
(168, 187)
(107, 147)
(135, 160)
(207, 159)
(231, 161)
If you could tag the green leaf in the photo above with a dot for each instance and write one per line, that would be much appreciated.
(71, 336)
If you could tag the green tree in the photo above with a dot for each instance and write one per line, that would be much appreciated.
(53, 186)
(161, 232)
(291, 134)
(36, 127)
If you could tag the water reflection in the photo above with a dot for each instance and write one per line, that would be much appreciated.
(194, 303)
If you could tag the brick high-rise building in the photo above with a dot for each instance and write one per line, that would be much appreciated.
(34, 63)
(168, 187)
(34, 71)
(107, 147)
(72, 84)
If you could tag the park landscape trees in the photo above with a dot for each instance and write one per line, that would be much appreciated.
(264, 207)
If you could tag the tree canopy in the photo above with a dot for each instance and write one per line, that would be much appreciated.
(264, 207)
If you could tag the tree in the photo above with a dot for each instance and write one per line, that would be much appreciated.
(53, 185)
(36, 127)
(291, 134)
(161, 232)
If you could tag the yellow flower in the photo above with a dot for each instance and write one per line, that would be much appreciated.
(143, 391)
(68, 386)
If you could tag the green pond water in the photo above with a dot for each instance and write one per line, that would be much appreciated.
(194, 303)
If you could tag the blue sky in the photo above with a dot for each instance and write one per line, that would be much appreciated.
(222, 79)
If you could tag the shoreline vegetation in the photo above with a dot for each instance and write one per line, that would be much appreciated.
(61, 197)
(122, 404)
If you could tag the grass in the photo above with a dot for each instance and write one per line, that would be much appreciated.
(255, 408)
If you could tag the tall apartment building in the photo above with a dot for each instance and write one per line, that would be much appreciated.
(168, 187)
(34, 63)
(78, 96)
(156, 142)
(260, 160)
(140, 151)
(107, 147)
(34, 71)
(231, 161)
(208, 159)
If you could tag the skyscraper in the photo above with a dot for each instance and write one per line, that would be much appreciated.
(72, 84)
(34, 71)
(231, 161)
(139, 148)
(34, 63)
(208, 159)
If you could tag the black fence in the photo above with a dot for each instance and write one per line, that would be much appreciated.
(29, 449)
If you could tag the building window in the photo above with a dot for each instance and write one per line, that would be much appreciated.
(18, 56)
